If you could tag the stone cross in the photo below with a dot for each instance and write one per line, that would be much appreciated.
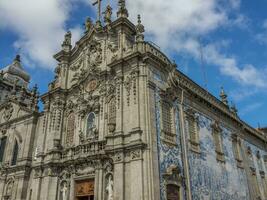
(98, 2)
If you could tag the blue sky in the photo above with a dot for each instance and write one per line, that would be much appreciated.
(231, 34)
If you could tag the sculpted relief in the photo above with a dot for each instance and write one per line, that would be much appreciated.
(8, 111)
(89, 62)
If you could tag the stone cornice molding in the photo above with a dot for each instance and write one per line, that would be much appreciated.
(178, 80)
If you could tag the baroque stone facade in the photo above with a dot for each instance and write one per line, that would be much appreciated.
(120, 122)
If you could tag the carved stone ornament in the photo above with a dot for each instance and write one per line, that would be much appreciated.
(9, 188)
(216, 127)
(84, 169)
(113, 51)
(4, 128)
(136, 154)
(130, 83)
(76, 66)
(91, 85)
(8, 111)
(95, 54)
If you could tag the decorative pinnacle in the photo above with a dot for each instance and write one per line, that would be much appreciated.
(223, 96)
(139, 18)
(122, 11)
(234, 109)
(17, 58)
(140, 29)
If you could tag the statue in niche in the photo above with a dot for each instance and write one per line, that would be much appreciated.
(9, 189)
(109, 188)
(64, 191)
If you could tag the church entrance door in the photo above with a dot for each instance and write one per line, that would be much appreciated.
(84, 190)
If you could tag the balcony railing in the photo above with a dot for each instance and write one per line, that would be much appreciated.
(83, 150)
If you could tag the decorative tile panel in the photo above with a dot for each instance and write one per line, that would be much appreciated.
(211, 179)
(258, 164)
(168, 155)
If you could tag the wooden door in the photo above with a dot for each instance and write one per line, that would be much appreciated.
(173, 192)
(84, 190)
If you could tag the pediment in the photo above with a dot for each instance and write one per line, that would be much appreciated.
(12, 110)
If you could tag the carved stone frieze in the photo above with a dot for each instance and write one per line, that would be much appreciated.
(136, 154)
(130, 83)
(8, 111)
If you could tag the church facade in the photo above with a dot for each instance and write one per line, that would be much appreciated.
(120, 122)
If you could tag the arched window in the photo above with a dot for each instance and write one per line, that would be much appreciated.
(2, 148)
(173, 192)
(15, 153)
(70, 129)
(90, 125)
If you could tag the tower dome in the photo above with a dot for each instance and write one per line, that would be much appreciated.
(15, 72)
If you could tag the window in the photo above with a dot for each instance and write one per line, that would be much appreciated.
(167, 123)
(15, 153)
(237, 150)
(217, 136)
(70, 129)
(90, 132)
(192, 122)
(2, 148)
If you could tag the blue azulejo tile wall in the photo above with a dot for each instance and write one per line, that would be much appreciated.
(168, 155)
(211, 179)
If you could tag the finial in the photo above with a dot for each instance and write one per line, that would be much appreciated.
(35, 88)
(140, 29)
(233, 108)
(17, 58)
(223, 96)
(122, 11)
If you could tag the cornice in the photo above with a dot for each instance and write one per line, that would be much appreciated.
(192, 87)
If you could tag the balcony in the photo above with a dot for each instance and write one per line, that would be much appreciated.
(93, 148)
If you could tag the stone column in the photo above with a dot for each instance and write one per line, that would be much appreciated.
(118, 176)
(152, 138)
(136, 175)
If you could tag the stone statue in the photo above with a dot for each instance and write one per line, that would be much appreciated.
(88, 24)
(108, 14)
(64, 190)
(67, 40)
(109, 188)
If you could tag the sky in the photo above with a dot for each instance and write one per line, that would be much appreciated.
(217, 43)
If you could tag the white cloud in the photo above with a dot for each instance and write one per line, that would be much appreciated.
(176, 26)
(40, 26)
(242, 93)
(250, 108)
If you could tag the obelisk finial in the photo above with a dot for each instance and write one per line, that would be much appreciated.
(223, 96)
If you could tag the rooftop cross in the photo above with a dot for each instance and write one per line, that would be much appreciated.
(98, 2)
